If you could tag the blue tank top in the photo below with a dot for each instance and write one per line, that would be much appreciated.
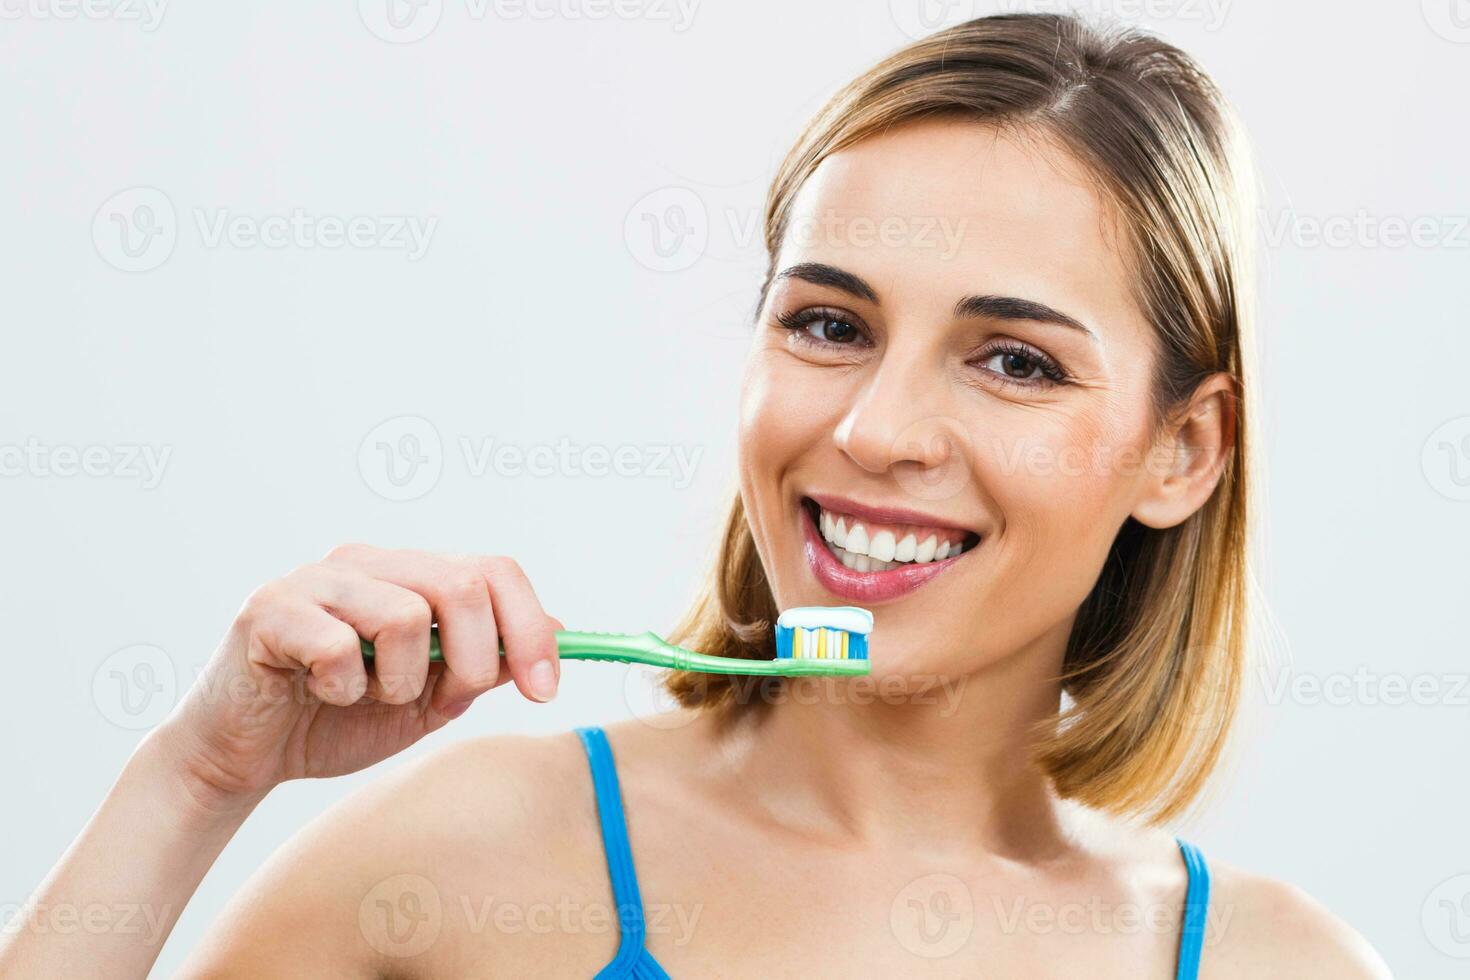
(634, 962)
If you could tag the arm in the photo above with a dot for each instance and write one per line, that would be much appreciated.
(286, 696)
(96, 908)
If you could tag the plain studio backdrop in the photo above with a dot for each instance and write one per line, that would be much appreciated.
(478, 276)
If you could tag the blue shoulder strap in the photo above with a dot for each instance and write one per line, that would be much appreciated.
(1196, 912)
(632, 960)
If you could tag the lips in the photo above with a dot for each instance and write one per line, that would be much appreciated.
(891, 552)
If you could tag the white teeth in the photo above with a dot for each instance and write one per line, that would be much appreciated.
(862, 563)
(877, 551)
(905, 549)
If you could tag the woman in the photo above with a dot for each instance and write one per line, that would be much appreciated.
(998, 393)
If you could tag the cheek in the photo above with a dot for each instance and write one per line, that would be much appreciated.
(1064, 483)
(782, 413)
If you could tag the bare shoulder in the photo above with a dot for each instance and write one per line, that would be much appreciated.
(1256, 927)
(1261, 927)
(479, 852)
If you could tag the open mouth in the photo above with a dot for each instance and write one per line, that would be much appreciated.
(867, 554)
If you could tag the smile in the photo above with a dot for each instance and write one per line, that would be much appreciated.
(870, 554)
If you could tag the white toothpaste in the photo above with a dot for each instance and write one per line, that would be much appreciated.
(853, 619)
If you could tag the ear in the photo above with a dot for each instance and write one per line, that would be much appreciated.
(1189, 455)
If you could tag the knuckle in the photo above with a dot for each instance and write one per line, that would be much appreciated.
(412, 613)
(338, 689)
(260, 603)
(483, 678)
(301, 575)
(503, 566)
(346, 554)
(399, 688)
(464, 586)
(529, 642)
(336, 649)
(323, 660)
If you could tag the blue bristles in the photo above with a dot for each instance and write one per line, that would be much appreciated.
(821, 632)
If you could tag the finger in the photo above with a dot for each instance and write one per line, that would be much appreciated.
(527, 633)
(289, 632)
(459, 597)
(394, 619)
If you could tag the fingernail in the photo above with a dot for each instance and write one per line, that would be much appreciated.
(456, 708)
(542, 680)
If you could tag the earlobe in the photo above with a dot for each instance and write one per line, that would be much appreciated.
(1189, 456)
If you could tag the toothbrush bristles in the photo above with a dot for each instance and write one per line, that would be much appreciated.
(820, 643)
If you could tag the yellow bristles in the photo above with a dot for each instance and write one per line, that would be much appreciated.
(819, 643)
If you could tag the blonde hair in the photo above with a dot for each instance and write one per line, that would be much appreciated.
(1155, 661)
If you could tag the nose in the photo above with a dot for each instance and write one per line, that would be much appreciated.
(897, 421)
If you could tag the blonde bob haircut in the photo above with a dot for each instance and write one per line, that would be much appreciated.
(1155, 661)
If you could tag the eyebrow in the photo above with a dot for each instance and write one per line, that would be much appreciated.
(821, 274)
(993, 307)
(1015, 308)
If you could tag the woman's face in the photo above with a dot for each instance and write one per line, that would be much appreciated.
(946, 414)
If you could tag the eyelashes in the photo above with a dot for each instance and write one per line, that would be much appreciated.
(1003, 360)
(833, 327)
(1021, 363)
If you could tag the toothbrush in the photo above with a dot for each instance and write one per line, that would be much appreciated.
(810, 640)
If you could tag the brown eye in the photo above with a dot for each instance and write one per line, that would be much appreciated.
(1014, 364)
(1022, 365)
(832, 331)
(819, 327)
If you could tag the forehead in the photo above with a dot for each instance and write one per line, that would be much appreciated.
(941, 209)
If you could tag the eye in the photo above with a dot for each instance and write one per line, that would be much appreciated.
(1015, 365)
(832, 331)
(822, 327)
(1022, 365)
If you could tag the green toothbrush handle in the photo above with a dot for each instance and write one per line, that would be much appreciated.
(651, 650)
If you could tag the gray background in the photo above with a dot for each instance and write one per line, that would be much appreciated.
(544, 309)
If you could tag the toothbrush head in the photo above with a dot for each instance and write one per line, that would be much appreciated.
(823, 633)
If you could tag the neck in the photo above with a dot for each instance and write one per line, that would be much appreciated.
(941, 765)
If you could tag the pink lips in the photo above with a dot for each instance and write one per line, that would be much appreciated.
(881, 515)
(864, 588)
